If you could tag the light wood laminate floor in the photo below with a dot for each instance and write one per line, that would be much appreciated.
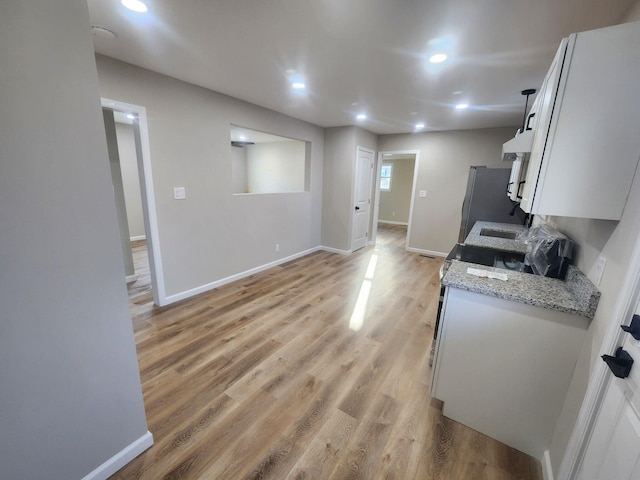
(275, 376)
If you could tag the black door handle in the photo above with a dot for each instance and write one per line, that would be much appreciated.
(633, 328)
(357, 208)
(620, 364)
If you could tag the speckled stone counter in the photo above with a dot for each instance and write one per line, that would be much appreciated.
(474, 237)
(575, 295)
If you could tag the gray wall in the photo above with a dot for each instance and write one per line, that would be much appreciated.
(614, 241)
(239, 176)
(71, 395)
(214, 234)
(339, 176)
(118, 190)
(395, 204)
(445, 158)
(130, 179)
(276, 167)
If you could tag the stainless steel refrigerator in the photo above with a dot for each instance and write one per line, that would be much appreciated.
(486, 199)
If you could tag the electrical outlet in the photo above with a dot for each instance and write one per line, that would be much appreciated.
(277, 247)
(179, 193)
(599, 270)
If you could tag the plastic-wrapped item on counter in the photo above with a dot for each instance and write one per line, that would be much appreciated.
(549, 252)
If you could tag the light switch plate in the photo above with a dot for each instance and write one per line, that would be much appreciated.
(599, 270)
(179, 193)
(423, 193)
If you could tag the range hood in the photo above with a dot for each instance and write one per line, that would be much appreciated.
(521, 143)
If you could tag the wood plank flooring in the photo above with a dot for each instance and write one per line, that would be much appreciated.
(282, 376)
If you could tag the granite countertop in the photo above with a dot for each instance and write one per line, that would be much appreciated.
(508, 245)
(575, 295)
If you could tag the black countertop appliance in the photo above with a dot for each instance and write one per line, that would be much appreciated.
(550, 255)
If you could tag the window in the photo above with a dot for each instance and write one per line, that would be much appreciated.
(385, 177)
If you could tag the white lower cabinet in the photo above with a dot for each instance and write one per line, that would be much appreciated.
(503, 368)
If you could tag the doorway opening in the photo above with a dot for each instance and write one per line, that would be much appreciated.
(138, 221)
(395, 190)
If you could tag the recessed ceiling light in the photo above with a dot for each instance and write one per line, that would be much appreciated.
(135, 5)
(461, 106)
(419, 126)
(298, 85)
(361, 116)
(438, 58)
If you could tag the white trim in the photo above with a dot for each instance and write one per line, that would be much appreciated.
(376, 201)
(335, 250)
(238, 276)
(430, 253)
(121, 458)
(599, 380)
(389, 222)
(131, 278)
(547, 470)
(137, 237)
(413, 199)
(148, 198)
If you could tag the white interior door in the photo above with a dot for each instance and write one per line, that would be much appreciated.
(362, 198)
(613, 451)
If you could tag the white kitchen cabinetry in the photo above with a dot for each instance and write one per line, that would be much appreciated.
(503, 368)
(586, 144)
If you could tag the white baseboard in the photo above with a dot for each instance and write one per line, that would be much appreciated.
(390, 222)
(430, 253)
(131, 278)
(121, 458)
(547, 471)
(335, 250)
(238, 276)
(139, 237)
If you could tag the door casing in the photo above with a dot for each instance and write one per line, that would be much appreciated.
(376, 200)
(143, 152)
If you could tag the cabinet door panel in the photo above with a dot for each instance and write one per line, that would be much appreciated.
(503, 368)
(545, 103)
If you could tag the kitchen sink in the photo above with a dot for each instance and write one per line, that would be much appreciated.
(490, 257)
(489, 232)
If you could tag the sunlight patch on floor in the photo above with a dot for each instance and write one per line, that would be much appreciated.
(359, 310)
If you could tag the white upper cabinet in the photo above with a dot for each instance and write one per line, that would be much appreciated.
(586, 144)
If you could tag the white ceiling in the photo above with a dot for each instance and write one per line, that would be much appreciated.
(357, 55)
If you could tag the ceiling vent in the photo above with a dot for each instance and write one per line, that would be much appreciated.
(235, 143)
